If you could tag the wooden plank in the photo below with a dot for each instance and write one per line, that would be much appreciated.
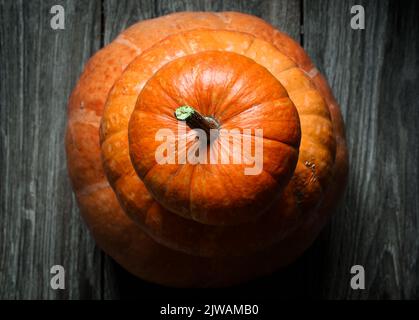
(40, 222)
(284, 14)
(119, 15)
(374, 74)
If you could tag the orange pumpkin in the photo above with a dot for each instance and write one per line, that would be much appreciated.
(204, 224)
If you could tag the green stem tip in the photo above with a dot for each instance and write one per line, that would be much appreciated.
(195, 120)
(184, 112)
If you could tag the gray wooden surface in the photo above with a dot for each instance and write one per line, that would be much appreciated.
(374, 74)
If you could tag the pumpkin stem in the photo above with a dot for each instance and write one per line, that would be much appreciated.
(195, 120)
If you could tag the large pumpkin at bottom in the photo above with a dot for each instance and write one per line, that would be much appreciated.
(204, 223)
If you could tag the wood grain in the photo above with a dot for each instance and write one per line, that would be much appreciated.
(374, 75)
(40, 222)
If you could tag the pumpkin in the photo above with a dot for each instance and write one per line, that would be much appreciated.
(204, 224)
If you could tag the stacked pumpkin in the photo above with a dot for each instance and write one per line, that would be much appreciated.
(204, 224)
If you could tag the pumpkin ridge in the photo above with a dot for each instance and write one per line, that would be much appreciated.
(173, 176)
(132, 174)
(232, 182)
(252, 42)
(293, 147)
(231, 118)
(255, 65)
(263, 170)
(122, 39)
(185, 43)
(318, 140)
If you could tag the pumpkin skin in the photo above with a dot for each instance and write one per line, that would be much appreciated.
(300, 215)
